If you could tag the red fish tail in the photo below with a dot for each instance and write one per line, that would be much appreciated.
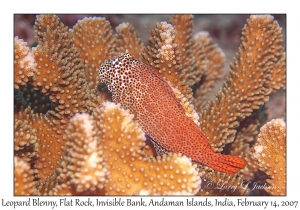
(226, 163)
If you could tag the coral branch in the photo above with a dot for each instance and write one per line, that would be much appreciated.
(59, 70)
(95, 42)
(270, 151)
(215, 62)
(123, 170)
(279, 73)
(26, 141)
(24, 64)
(189, 74)
(163, 55)
(23, 178)
(123, 138)
(127, 40)
(244, 140)
(50, 140)
(83, 168)
(248, 83)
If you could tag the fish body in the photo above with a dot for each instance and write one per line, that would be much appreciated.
(139, 88)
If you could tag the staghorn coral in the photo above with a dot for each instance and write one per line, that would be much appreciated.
(26, 143)
(24, 64)
(105, 149)
(215, 64)
(164, 52)
(59, 70)
(251, 73)
(245, 139)
(191, 62)
(270, 152)
(95, 42)
(49, 138)
(58, 74)
(82, 168)
(23, 178)
(127, 40)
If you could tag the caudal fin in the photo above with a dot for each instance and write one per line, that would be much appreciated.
(226, 163)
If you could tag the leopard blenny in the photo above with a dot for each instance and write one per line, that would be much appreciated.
(137, 87)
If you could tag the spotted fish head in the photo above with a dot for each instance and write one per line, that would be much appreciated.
(115, 72)
(120, 76)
